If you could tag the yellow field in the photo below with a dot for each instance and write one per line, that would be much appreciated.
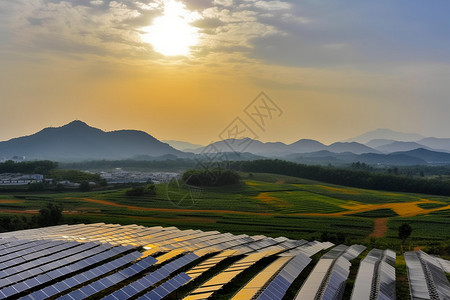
(403, 209)
(277, 202)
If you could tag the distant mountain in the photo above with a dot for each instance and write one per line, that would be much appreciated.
(400, 146)
(306, 145)
(231, 156)
(378, 143)
(327, 157)
(78, 141)
(414, 157)
(182, 146)
(352, 147)
(277, 149)
(430, 157)
(248, 145)
(386, 134)
(436, 143)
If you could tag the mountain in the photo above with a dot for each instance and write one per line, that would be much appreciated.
(276, 149)
(375, 143)
(78, 141)
(306, 145)
(327, 157)
(248, 145)
(430, 157)
(182, 146)
(436, 143)
(400, 146)
(386, 134)
(352, 147)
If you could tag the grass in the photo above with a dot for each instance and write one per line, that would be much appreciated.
(378, 213)
(272, 205)
(431, 205)
(268, 204)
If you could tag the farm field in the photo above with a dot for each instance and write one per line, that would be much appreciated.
(267, 204)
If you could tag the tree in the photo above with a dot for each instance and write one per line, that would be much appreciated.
(36, 187)
(85, 187)
(404, 231)
(213, 177)
(149, 189)
(50, 215)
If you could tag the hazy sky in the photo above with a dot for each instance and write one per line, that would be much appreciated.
(334, 69)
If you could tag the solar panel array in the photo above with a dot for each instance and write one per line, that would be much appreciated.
(327, 279)
(426, 276)
(109, 261)
(280, 284)
(376, 276)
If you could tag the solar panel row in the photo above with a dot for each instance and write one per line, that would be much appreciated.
(262, 279)
(330, 274)
(110, 280)
(280, 284)
(36, 246)
(91, 258)
(152, 278)
(218, 281)
(427, 279)
(166, 288)
(47, 263)
(88, 275)
(376, 276)
(80, 261)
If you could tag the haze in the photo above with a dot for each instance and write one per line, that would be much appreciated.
(336, 69)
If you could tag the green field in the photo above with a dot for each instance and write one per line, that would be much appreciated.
(272, 205)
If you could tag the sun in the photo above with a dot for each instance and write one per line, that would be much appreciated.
(172, 33)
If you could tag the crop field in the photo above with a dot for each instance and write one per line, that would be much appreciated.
(267, 204)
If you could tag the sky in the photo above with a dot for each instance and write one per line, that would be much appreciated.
(203, 70)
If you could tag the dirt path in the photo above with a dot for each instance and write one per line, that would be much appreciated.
(7, 201)
(17, 211)
(380, 228)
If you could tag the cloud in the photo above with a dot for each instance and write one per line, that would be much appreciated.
(223, 2)
(273, 5)
(305, 34)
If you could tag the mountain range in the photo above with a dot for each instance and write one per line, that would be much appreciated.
(78, 141)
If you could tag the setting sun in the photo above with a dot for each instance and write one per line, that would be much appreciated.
(172, 34)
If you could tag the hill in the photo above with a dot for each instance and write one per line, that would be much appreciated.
(78, 141)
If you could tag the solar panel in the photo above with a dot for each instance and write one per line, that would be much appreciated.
(154, 277)
(33, 258)
(280, 284)
(90, 274)
(330, 274)
(427, 279)
(376, 276)
(113, 279)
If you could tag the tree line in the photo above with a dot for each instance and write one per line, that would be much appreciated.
(348, 177)
(29, 167)
(49, 215)
(213, 177)
(155, 165)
